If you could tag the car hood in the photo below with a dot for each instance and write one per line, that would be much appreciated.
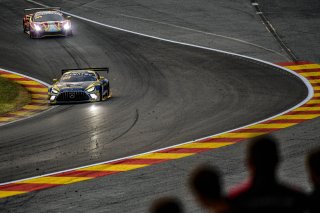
(74, 85)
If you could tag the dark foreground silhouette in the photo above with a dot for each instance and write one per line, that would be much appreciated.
(313, 163)
(166, 205)
(262, 192)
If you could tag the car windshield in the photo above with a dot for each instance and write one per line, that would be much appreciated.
(50, 16)
(78, 77)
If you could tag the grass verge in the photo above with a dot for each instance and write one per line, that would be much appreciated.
(13, 96)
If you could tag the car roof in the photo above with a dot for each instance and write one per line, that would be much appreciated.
(40, 13)
(80, 71)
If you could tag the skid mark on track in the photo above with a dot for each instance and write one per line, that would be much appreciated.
(75, 54)
(39, 94)
(130, 127)
(283, 120)
(308, 109)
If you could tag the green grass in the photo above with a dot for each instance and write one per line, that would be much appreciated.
(13, 96)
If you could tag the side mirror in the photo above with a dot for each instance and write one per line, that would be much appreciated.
(55, 80)
(101, 78)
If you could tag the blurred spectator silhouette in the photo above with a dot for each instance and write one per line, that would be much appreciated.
(313, 163)
(166, 205)
(206, 186)
(263, 192)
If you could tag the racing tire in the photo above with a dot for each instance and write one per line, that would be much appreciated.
(31, 35)
(106, 96)
(100, 96)
(108, 93)
(68, 34)
(24, 27)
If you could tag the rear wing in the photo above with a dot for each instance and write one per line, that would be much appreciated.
(30, 10)
(100, 69)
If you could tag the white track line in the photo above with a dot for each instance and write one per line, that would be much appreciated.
(303, 79)
(205, 33)
(180, 27)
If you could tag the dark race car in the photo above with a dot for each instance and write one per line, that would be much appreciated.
(41, 22)
(79, 85)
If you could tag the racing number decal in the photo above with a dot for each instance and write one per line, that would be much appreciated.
(58, 25)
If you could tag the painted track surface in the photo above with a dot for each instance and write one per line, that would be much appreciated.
(151, 80)
(246, 77)
(307, 110)
(188, 21)
(298, 24)
(39, 97)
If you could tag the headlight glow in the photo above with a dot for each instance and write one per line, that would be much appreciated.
(94, 96)
(37, 27)
(91, 89)
(67, 26)
(52, 98)
(54, 91)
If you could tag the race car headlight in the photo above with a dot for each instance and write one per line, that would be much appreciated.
(94, 96)
(54, 91)
(67, 26)
(37, 27)
(91, 89)
(52, 98)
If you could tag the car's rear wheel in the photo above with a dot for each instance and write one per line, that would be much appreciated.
(108, 93)
(106, 96)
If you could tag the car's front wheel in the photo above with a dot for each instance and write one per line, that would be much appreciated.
(31, 35)
(68, 33)
(100, 95)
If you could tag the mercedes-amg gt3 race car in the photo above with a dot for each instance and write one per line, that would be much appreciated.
(42, 22)
(79, 85)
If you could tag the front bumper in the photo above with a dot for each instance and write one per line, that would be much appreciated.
(73, 96)
(41, 34)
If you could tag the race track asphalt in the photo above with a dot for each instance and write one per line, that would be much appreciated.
(163, 94)
(297, 23)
